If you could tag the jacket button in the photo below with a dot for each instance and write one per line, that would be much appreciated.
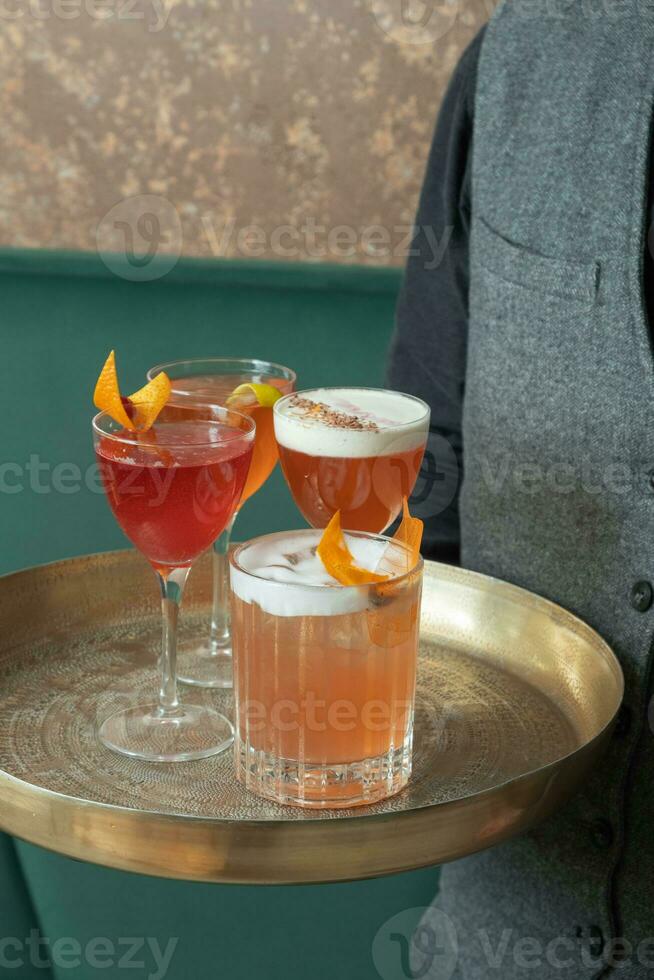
(602, 834)
(642, 596)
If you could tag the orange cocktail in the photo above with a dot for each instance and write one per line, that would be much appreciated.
(206, 659)
(218, 388)
(324, 673)
(357, 450)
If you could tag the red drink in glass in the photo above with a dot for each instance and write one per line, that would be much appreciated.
(173, 502)
(173, 490)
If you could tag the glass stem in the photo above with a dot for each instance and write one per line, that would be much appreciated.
(172, 586)
(220, 618)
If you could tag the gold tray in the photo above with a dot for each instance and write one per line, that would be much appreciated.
(516, 700)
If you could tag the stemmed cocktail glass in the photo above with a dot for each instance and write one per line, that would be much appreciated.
(173, 490)
(207, 660)
(357, 450)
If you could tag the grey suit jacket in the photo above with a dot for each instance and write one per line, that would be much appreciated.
(558, 455)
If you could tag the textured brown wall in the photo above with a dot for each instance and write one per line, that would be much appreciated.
(180, 124)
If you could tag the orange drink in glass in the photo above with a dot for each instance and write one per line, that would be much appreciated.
(324, 673)
(206, 660)
(357, 450)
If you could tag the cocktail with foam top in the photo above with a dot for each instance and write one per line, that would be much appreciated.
(324, 673)
(357, 450)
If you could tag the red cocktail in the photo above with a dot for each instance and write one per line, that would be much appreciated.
(173, 497)
(173, 489)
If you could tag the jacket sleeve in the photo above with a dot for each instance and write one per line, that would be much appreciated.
(428, 352)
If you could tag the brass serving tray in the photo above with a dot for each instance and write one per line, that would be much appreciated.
(516, 699)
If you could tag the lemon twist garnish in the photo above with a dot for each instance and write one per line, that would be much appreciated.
(252, 393)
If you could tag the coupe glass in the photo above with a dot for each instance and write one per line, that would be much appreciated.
(173, 490)
(357, 450)
(206, 660)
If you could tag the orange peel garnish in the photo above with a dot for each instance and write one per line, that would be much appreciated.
(390, 628)
(398, 561)
(106, 396)
(149, 401)
(339, 561)
(145, 404)
(409, 533)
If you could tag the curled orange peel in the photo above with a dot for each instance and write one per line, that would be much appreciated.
(338, 560)
(398, 561)
(149, 400)
(138, 412)
(390, 628)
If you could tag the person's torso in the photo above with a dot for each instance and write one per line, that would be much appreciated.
(558, 492)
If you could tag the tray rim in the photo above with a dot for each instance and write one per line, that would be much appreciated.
(22, 791)
(105, 857)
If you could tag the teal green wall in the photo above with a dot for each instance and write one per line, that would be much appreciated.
(60, 314)
(317, 932)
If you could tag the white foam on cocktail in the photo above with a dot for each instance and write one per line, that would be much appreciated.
(373, 422)
(289, 559)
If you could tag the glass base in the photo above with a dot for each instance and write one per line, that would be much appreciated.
(320, 786)
(142, 732)
(201, 664)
